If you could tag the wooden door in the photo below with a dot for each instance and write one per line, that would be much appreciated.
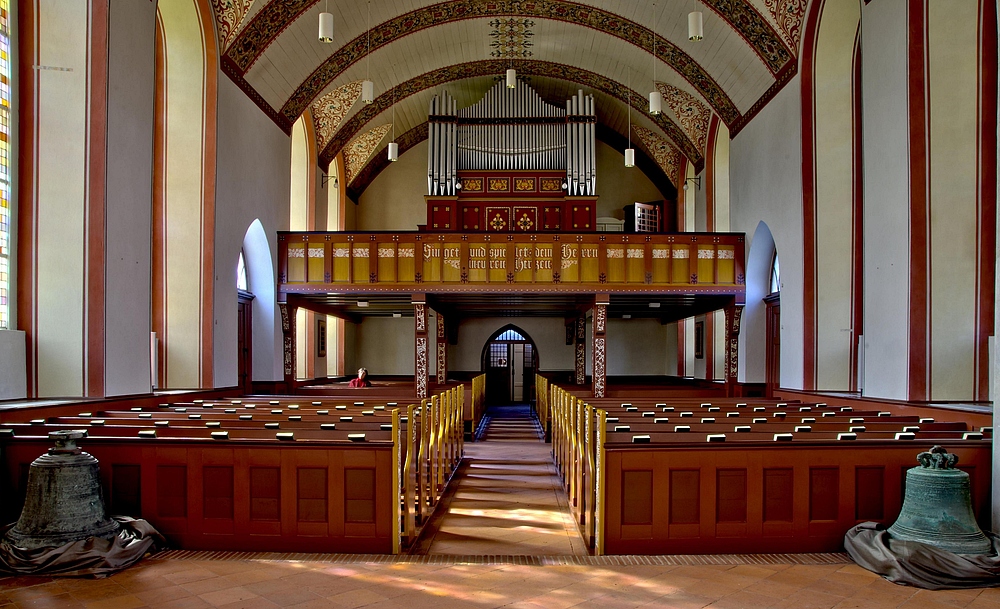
(244, 342)
(498, 377)
(773, 361)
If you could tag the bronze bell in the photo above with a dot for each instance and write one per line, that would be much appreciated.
(63, 502)
(937, 508)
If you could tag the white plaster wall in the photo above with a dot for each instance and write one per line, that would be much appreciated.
(886, 179)
(60, 196)
(253, 174)
(636, 347)
(549, 334)
(129, 170)
(766, 185)
(834, 169)
(395, 199)
(618, 186)
(385, 345)
(953, 78)
(13, 383)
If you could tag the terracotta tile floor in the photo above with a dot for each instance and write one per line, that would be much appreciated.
(506, 497)
(507, 502)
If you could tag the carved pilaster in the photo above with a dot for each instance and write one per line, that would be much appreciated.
(442, 351)
(734, 313)
(288, 341)
(420, 357)
(600, 345)
(580, 332)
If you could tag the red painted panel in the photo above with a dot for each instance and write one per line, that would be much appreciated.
(685, 496)
(312, 494)
(552, 218)
(217, 492)
(731, 495)
(171, 491)
(869, 500)
(265, 493)
(824, 493)
(637, 497)
(472, 217)
(126, 490)
(359, 495)
(778, 495)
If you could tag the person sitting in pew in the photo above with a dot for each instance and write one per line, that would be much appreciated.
(361, 380)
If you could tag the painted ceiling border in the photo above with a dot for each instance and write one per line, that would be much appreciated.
(494, 67)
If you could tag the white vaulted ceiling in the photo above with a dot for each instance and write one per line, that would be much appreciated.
(419, 48)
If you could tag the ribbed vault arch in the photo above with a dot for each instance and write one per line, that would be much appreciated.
(527, 67)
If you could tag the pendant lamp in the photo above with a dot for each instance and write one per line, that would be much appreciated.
(326, 25)
(511, 78)
(696, 26)
(630, 151)
(655, 99)
(367, 86)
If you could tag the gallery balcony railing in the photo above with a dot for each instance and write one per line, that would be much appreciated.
(579, 262)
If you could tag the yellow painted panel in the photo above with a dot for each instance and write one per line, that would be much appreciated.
(478, 261)
(452, 262)
(296, 262)
(387, 262)
(661, 258)
(406, 264)
(317, 269)
(590, 269)
(341, 262)
(681, 264)
(498, 263)
(524, 263)
(616, 263)
(727, 265)
(635, 264)
(543, 263)
(570, 263)
(361, 264)
(706, 265)
(432, 262)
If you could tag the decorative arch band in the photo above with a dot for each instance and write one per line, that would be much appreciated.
(530, 67)
(266, 25)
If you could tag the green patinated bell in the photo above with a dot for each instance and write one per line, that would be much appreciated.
(63, 501)
(937, 509)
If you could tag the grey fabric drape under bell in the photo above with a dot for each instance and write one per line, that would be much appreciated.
(92, 557)
(920, 565)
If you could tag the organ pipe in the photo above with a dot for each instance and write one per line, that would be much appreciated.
(511, 129)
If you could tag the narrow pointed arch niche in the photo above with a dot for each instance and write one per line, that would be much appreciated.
(509, 360)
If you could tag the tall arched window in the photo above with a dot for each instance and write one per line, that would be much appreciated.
(242, 283)
(775, 274)
(5, 156)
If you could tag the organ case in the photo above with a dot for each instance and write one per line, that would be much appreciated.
(512, 163)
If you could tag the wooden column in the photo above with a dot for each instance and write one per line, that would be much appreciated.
(442, 351)
(288, 341)
(733, 314)
(580, 331)
(600, 344)
(420, 326)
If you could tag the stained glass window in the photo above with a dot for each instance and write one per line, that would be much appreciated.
(5, 154)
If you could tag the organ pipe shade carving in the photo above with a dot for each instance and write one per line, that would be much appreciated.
(512, 129)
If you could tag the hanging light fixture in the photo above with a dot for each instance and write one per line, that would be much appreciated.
(393, 146)
(326, 25)
(696, 26)
(630, 151)
(655, 99)
(367, 86)
(511, 78)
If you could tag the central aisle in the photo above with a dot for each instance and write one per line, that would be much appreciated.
(506, 499)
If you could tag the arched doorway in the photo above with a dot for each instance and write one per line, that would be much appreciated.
(509, 360)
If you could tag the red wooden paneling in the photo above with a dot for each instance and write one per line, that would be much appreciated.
(637, 497)
(788, 498)
(238, 496)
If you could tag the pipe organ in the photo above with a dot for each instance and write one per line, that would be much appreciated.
(511, 163)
